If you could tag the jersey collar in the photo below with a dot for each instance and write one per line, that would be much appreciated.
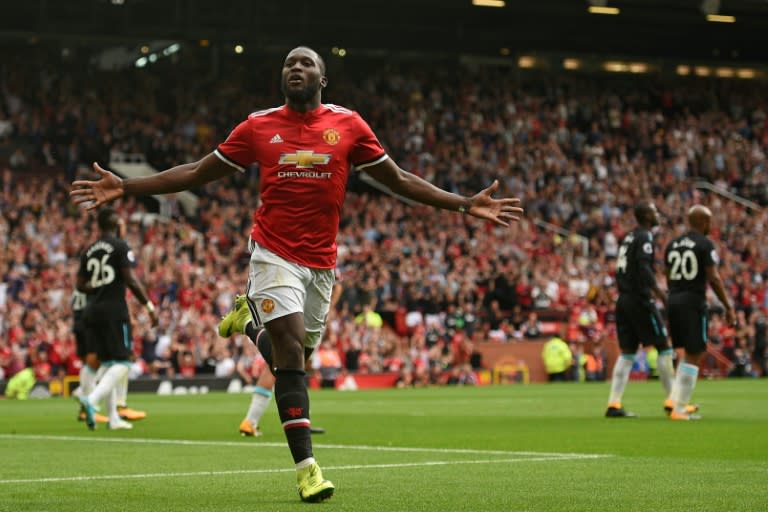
(303, 115)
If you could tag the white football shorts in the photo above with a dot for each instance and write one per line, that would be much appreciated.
(278, 287)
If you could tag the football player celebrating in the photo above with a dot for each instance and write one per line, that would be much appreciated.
(304, 149)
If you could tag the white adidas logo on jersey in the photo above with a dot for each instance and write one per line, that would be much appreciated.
(276, 139)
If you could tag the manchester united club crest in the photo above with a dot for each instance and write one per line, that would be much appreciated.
(294, 412)
(267, 305)
(331, 136)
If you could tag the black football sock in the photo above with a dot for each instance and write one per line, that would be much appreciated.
(293, 406)
(262, 340)
(253, 332)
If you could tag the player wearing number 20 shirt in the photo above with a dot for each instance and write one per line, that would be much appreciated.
(687, 258)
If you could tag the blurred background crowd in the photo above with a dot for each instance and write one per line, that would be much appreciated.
(422, 288)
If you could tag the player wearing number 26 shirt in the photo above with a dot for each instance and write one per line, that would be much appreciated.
(105, 272)
(105, 317)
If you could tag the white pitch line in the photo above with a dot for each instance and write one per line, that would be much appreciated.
(256, 471)
(264, 444)
(139, 440)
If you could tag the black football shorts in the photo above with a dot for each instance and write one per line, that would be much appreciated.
(638, 322)
(688, 324)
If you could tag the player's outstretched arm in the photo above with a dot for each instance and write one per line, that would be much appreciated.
(176, 179)
(482, 205)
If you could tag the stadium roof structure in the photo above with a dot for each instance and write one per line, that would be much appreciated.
(652, 28)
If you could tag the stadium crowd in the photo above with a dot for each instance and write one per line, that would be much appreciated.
(418, 296)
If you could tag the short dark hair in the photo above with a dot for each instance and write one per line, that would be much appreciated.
(107, 219)
(643, 210)
(320, 60)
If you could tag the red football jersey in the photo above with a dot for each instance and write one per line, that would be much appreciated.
(304, 161)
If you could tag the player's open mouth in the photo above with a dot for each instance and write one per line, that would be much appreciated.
(295, 80)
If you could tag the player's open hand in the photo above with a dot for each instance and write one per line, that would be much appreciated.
(92, 194)
(499, 211)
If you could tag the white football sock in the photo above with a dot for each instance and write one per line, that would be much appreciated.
(107, 383)
(259, 403)
(685, 381)
(111, 403)
(304, 463)
(101, 371)
(87, 380)
(621, 371)
(121, 392)
(666, 370)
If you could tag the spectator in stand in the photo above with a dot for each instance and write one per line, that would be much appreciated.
(742, 365)
(2, 369)
(163, 365)
(531, 328)
(516, 319)
(225, 363)
(595, 366)
(15, 362)
(369, 318)
(461, 375)
(41, 365)
(504, 333)
(328, 364)
(186, 364)
(494, 316)
(352, 357)
(250, 364)
(406, 379)
(760, 347)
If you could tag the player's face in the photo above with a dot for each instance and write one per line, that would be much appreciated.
(302, 77)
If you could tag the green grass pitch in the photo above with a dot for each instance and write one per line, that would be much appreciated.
(503, 448)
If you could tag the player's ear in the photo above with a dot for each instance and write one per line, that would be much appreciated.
(323, 82)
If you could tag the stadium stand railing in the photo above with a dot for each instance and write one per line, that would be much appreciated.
(714, 364)
(568, 235)
(705, 185)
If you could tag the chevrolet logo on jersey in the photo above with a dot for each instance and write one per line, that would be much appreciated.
(305, 159)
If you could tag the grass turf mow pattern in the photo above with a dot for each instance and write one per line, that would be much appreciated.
(514, 448)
